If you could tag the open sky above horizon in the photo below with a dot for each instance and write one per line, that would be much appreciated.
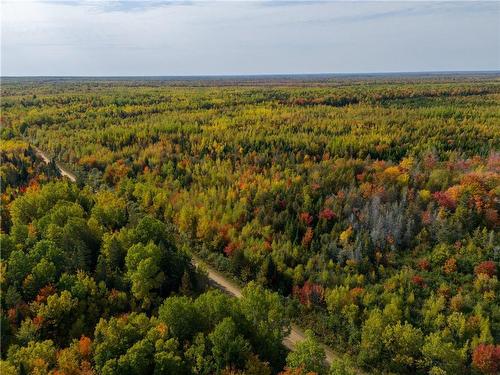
(103, 38)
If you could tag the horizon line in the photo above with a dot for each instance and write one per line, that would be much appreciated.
(249, 75)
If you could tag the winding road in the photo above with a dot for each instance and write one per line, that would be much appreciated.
(218, 280)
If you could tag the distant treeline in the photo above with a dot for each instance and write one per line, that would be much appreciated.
(371, 204)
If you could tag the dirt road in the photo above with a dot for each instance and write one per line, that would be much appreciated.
(64, 172)
(296, 334)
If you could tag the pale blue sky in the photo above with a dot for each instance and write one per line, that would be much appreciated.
(82, 37)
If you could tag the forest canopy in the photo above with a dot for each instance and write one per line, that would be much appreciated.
(366, 211)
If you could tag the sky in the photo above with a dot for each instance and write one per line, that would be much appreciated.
(168, 38)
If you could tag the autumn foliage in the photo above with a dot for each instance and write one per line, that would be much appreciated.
(487, 267)
(368, 208)
(486, 358)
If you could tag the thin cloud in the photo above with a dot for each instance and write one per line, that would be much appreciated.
(84, 37)
(138, 6)
(431, 8)
(119, 5)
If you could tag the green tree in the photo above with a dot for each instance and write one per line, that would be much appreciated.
(6, 246)
(308, 356)
(403, 343)
(181, 317)
(114, 337)
(138, 359)
(109, 209)
(268, 320)
(229, 348)
(371, 338)
(440, 353)
(214, 306)
(57, 315)
(36, 357)
(144, 271)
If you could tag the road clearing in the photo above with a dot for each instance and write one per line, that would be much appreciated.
(296, 334)
(63, 171)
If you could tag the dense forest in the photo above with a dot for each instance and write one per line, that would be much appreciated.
(366, 211)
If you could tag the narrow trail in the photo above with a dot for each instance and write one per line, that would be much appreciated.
(64, 172)
(219, 281)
